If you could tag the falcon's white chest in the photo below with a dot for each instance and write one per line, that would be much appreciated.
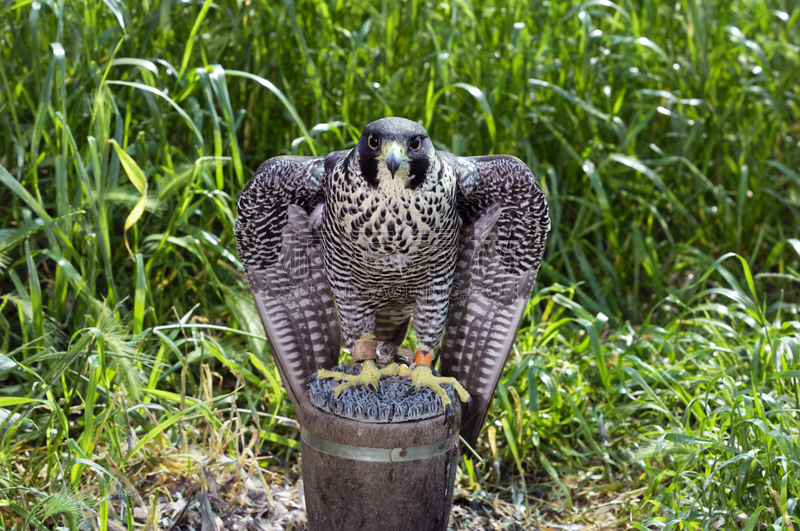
(391, 227)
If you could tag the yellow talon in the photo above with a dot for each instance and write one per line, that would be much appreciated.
(422, 376)
(369, 375)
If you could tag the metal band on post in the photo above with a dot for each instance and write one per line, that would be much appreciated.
(380, 455)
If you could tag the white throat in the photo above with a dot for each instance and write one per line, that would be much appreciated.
(393, 185)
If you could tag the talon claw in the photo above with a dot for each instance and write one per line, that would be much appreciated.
(448, 413)
(373, 389)
(469, 405)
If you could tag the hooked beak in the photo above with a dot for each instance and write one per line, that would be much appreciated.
(393, 156)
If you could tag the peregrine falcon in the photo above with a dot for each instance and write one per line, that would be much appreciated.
(356, 243)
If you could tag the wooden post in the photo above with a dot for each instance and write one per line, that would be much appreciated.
(382, 476)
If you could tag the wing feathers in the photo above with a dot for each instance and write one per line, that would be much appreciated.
(296, 307)
(501, 247)
(282, 256)
(262, 208)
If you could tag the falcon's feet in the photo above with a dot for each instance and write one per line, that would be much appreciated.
(370, 376)
(422, 375)
(419, 372)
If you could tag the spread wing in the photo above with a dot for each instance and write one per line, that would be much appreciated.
(505, 223)
(281, 253)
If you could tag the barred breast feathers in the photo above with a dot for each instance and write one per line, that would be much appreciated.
(388, 228)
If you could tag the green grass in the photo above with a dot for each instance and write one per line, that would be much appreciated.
(651, 361)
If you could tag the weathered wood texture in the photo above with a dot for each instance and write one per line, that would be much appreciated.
(346, 494)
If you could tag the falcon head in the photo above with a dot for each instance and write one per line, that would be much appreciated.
(395, 153)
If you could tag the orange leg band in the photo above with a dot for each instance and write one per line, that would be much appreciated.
(423, 358)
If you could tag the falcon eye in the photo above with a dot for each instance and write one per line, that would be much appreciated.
(415, 143)
(374, 142)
